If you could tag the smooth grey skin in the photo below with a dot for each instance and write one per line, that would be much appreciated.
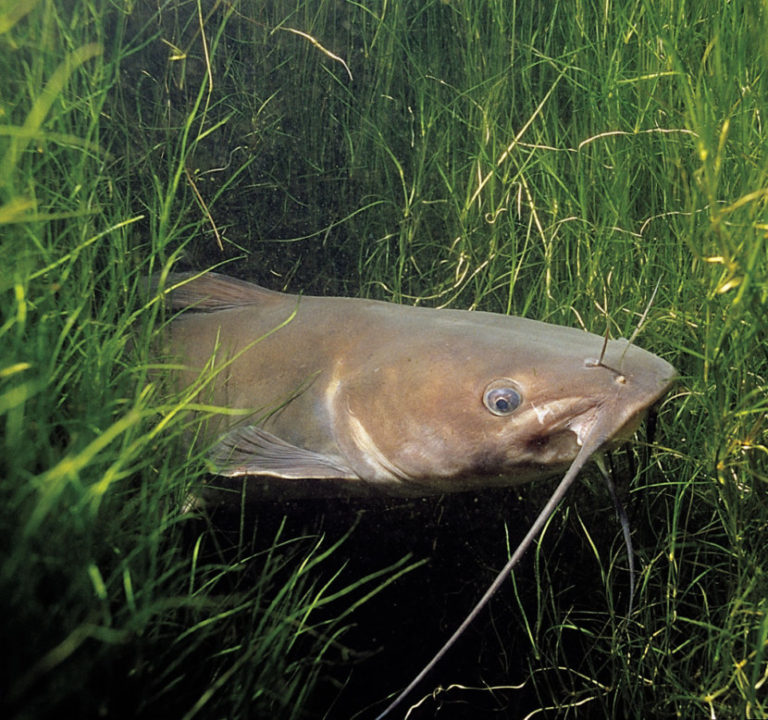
(344, 396)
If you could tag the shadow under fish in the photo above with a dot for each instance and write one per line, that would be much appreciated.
(329, 396)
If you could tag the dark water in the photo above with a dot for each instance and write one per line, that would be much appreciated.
(396, 632)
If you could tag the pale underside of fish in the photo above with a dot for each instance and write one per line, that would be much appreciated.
(344, 396)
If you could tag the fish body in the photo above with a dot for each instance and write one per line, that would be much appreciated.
(362, 397)
(346, 396)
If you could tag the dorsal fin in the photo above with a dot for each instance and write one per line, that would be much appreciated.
(211, 292)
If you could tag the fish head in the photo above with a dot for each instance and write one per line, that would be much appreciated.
(490, 404)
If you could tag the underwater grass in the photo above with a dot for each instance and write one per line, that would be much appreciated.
(555, 160)
(115, 602)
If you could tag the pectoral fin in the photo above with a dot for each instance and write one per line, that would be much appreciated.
(252, 451)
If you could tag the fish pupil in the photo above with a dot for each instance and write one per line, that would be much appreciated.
(501, 400)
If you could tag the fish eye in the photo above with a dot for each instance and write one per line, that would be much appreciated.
(501, 398)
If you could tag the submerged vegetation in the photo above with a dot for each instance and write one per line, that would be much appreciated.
(555, 160)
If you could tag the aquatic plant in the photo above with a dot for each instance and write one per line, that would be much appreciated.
(554, 160)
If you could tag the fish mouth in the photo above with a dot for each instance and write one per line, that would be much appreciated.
(558, 441)
(614, 417)
(576, 415)
(551, 434)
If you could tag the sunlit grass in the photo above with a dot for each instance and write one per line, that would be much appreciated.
(555, 161)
